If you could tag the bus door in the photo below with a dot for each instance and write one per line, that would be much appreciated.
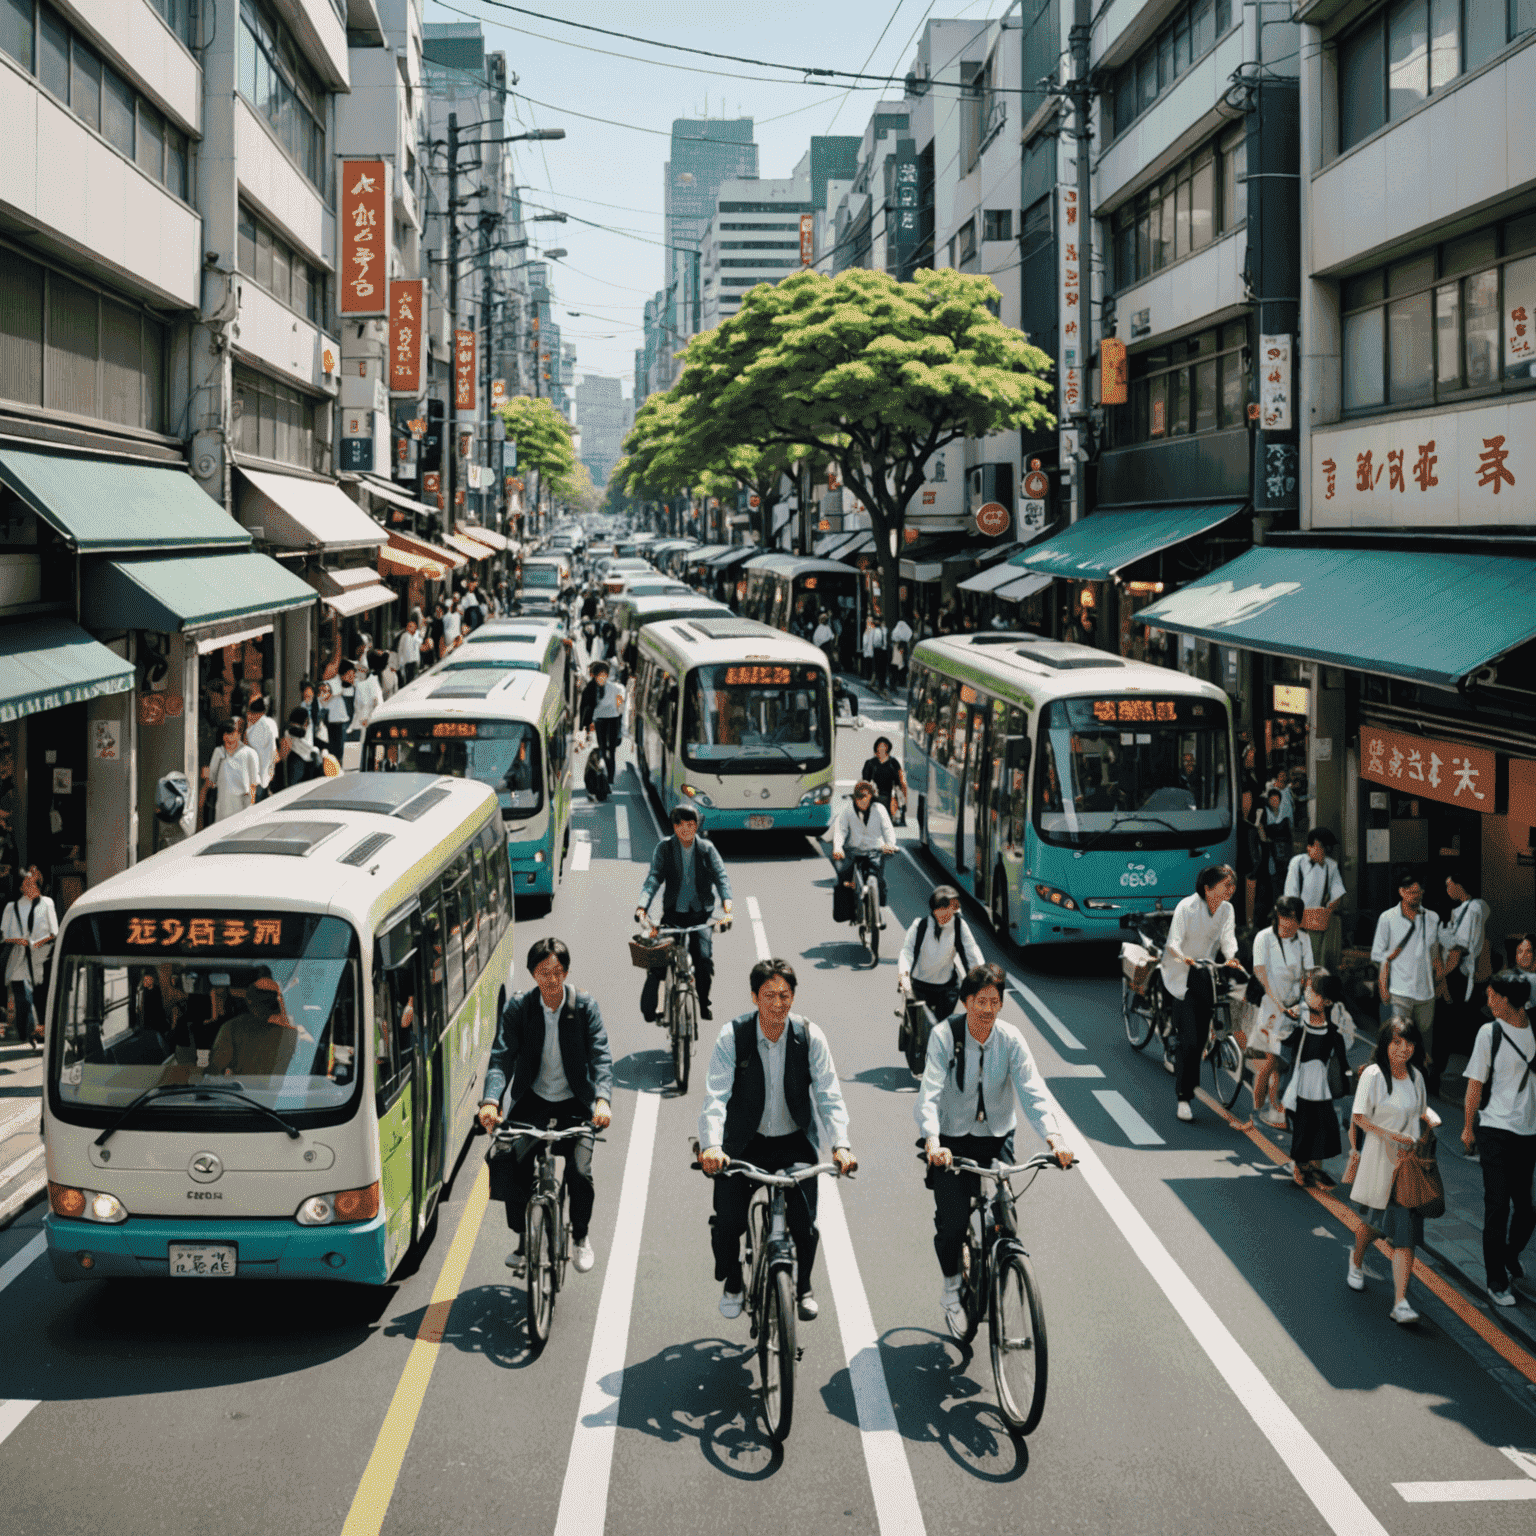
(399, 1020)
(971, 763)
(1007, 819)
(430, 1098)
(986, 785)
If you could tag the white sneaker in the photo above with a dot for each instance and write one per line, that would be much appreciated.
(954, 1312)
(515, 1261)
(582, 1257)
(1355, 1278)
(1403, 1313)
(1504, 1298)
(1184, 1112)
(1274, 1117)
(731, 1303)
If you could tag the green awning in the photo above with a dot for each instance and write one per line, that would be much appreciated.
(48, 662)
(1422, 616)
(105, 506)
(1104, 543)
(177, 592)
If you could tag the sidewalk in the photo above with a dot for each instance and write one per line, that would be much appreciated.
(22, 1176)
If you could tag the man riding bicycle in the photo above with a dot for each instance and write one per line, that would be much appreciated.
(864, 830)
(938, 954)
(551, 1049)
(770, 1075)
(689, 872)
(977, 1066)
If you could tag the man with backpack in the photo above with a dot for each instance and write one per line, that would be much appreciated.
(689, 872)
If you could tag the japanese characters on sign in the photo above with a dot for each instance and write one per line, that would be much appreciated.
(1432, 770)
(363, 237)
(807, 239)
(406, 352)
(498, 392)
(463, 371)
(167, 931)
(1114, 388)
(902, 220)
(1275, 383)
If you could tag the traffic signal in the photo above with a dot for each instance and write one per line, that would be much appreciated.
(429, 458)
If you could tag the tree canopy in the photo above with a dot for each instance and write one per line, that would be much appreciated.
(544, 443)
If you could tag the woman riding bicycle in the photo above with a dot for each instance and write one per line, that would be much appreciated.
(938, 954)
(864, 830)
(977, 1066)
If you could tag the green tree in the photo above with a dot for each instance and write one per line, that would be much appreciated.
(544, 443)
(870, 373)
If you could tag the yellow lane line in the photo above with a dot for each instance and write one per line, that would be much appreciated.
(371, 1502)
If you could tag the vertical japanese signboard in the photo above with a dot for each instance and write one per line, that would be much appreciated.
(902, 220)
(463, 370)
(406, 353)
(1068, 238)
(363, 237)
(1113, 388)
(1275, 383)
(807, 239)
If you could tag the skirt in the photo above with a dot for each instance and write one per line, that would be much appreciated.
(1314, 1131)
(1401, 1228)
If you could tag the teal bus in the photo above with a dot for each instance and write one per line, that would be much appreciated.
(1064, 788)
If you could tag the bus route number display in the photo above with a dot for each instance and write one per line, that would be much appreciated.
(748, 676)
(1135, 711)
(185, 932)
(456, 728)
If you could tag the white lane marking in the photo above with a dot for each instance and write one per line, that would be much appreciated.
(22, 1260)
(885, 1452)
(11, 1415)
(759, 932)
(581, 851)
(584, 1498)
(1123, 1113)
(7, 1174)
(621, 824)
(1048, 1018)
(10, 1124)
(1490, 1491)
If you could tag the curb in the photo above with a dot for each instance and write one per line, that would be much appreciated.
(1520, 1325)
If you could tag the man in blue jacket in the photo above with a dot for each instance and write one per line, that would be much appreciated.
(689, 872)
(551, 1059)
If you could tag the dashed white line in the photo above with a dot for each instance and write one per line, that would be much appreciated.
(11, 1415)
(581, 851)
(621, 825)
(1123, 1113)
(7, 1174)
(10, 1124)
(1046, 1017)
(22, 1260)
(759, 932)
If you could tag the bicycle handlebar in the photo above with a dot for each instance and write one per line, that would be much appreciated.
(996, 1172)
(786, 1180)
(509, 1133)
(724, 921)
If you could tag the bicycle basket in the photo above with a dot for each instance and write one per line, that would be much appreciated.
(644, 953)
(1136, 965)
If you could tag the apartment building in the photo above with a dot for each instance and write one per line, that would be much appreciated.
(871, 220)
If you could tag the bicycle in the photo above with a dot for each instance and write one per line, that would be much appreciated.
(998, 1281)
(866, 876)
(547, 1237)
(681, 1007)
(770, 1267)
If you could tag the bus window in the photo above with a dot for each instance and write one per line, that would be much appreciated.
(502, 753)
(463, 958)
(944, 728)
(493, 849)
(485, 918)
(432, 949)
(741, 713)
(394, 1012)
(1011, 811)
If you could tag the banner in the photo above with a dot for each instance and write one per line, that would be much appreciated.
(363, 237)
(463, 370)
(1113, 387)
(807, 239)
(407, 301)
(1275, 383)
(1432, 770)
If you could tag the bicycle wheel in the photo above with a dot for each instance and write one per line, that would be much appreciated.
(1226, 1059)
(560, 1236)
(972, 1268)
(1018, 1343)
(871, 925)
(1136, 1010)
(776, 1356)
(684, 1028)
(539, 1250)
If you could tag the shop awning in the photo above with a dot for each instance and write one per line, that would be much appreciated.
(108, 507)
(296, 513)
(733, 556)
(353, 591)
(487, 536)
(925, 559)
(862, 543)
(394, 561)
(387, 490)
(48, 662)
(448, 559)
(1423, 616)
(172, 593)
(1022, 587)
(992, 578)
(467, 546)
(1104, 543)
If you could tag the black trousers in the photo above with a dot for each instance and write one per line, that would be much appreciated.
(608, 733)
(940, 997)
(732, 1196)
(408, 671)
(701, 946)
(579, 1189)
(846, 871)
(1192, 1023)
(1509, 1216)
(882, 668)
(953, 1192)
(336, 737)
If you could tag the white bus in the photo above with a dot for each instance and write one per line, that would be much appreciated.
(737, 719)
(264, 1044)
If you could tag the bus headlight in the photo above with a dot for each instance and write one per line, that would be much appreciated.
(341, 1205)
(822, 796)
(697, 796)
(86, 1205)
(1056, 898)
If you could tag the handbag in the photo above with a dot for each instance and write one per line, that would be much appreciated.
(1417, 1185)
(1316, 919)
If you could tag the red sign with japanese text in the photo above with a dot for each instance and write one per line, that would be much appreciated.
(463, 371)
(1432, 770)
(807, 239)
(363, 238)
(406, 353)
(1113, 373)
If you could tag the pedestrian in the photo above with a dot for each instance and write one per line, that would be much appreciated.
(453, 626)
(1391, 1103)
(1525, 960)
(1500, 1111)
(1320, 1074)
(368, 693)
(408, 649)
(432, 648)
(869, 642)
(1314, 877)
(28, 927)
(233, 773)
(338, 698)
(389, 675)
(885, 773)
(261, 738)
(824, 638)
(901, 646)
(311, 707)
(1274, 834)
(1464, 943)
(602, 713)
(1407, 950)
(298, 758)
(474, 615)
(1282, 958)
(1282, 782)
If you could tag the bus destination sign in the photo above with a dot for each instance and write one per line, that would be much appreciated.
(1137, 711)
(184, 933)
(760, 675)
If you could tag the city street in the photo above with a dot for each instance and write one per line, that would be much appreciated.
(1209, 1371)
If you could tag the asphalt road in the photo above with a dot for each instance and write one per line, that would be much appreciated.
(1209, 1371)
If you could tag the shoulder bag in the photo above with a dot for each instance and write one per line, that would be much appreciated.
(1417, 1185)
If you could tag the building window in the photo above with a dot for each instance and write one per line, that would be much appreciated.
(966, 240)
(280, 86)
(1184, 212)
(1405, 53)
(1457, 319)
(1185, 39)
(1184, 388)
(181, 17)
(264, 256)
(16, 31)
(997, 224)
(273, 421)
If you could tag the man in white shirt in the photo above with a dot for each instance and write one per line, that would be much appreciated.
(261, 738)
(901, 648)
(28, 927)
(1407, 950)
(824, 638)
(1203, 926)
(233, 774)
(338, 698)
(938, 953)
(453, 626)
(864, 829)
(1462, 942)
(1314, 877)
(408, 649)
(368, 693)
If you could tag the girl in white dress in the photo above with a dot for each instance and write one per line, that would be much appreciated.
(1282, 956)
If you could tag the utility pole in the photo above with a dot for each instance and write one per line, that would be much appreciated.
(450, 406)
(1081, 40)
(486, 291)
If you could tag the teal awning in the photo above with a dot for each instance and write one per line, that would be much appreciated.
(106, 506)
(1104, 543)
(48, 662)
(177, 592)
(1423, 616)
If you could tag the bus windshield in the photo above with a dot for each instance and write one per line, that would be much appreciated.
(502, 753)
(541, 575)
(1127, 772)
(752, 717)
(259, 1004)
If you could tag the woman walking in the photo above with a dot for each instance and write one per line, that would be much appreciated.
(1282, 956)
(1391, 1103)
(1309, 1094)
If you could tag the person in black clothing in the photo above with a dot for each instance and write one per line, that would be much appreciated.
(601, 695)
(589, 604)
(885, 773)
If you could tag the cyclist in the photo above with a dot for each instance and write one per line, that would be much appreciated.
(863, 829)
(977, 1066)
(689, 872)
(886, 774)
(770, 1075)
(1202, 926)
(551, 1059)
(939, 953)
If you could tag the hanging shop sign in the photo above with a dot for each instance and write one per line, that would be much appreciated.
(1275, 383)
(1114, 387)
(407, 355)
(1432, 770)
(364, 237)
(993, 520)
(807, 239)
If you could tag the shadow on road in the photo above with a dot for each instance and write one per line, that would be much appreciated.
(887, 1079)
(645, 1071)
(489, 1320)
(842, 955)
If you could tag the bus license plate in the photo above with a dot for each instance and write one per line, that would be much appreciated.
(203, 1261)
(759, 823)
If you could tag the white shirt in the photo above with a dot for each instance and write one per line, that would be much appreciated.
(1318, 885)
(874, 640)
(851, 832)
(610, 702)
(901, 632)
(1199, 934)
(233, 778)
(947, 950)
(823, 635)
(452, 624)
(551, 1084)
(1286, 963)
(1507, 1109)
(367, 697)
(1006, 1070)
(408, 648)
(261, 738)
(830, 1112)
(389, 682)
(25, 964)
(1412, 973)
(1464, 930)
(339, 706)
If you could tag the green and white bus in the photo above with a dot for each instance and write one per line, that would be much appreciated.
(264, 1044)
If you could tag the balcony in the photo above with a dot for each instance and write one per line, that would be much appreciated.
(1191, 292)
(282, 340)
(149, 51)
(275, 185)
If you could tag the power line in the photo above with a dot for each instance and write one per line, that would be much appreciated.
(865, 65)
